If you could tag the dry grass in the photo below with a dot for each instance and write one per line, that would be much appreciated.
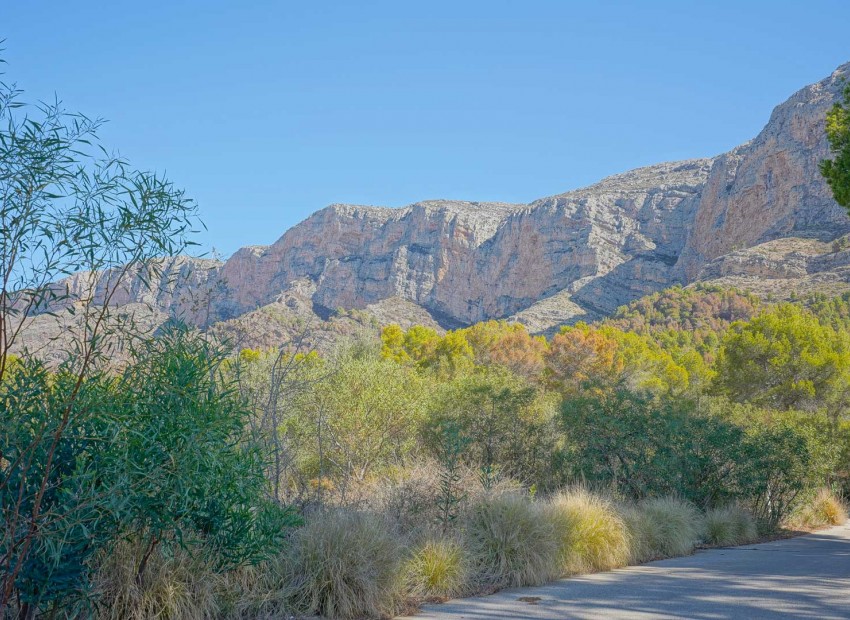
(591, 535)
(185, 588)
(177, 587)
(258, 592)
(662, 528)
(438, 569)
(511, 541)
(346, 565)
(825, 508)
(730, 525)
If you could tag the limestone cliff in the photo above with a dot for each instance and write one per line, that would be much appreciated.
(577, 255)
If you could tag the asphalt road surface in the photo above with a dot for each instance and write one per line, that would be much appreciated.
(805, 577)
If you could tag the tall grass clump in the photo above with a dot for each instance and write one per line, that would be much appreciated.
(438, 569)
(591, 535)
(663, 527)
(729, 525)
(256, 591)
(511, 541)
(346, 564)
(178, 587)
(824, 508)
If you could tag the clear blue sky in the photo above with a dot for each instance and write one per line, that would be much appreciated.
(268, 111)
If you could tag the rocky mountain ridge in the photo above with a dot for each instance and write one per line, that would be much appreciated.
(574, 256)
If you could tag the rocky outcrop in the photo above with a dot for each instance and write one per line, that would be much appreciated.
(578, 255)
(770, 187)
(784, 268)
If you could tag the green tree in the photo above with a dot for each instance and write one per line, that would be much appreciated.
(786, 359)
(506, 421)
(837, 171)
(181, 460)
(361, 419)
(67, 206)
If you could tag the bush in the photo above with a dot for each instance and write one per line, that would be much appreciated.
(821, 510)
(184, 463)
(780, 464)
(649, 446)
(511, 541)
(439, 569)
(663, 527)
(730, 525)
(591, 535)
(346, 565)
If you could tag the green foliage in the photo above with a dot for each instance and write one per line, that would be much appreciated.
(785, 358)
(450, 447)
(363, 418)
(76, 512)
(645, 445)
(837, 171)
(700, 310)
(505, 421)
(157, 455)
(182, 462)
(67, 206)
(780, 463)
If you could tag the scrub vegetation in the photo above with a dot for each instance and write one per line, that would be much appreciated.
(183, 479)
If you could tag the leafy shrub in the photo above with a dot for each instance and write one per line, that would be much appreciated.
(511, 541)
(184, 466)
(780, 466)
(729, 525)
(591, 535)
(496, 422)
(439, 568)
(346, 565)
(651, 446)
(824, 508)
(663, 527)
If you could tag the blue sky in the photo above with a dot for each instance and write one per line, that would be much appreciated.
(268, 111)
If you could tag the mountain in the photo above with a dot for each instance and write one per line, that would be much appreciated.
(759, 216)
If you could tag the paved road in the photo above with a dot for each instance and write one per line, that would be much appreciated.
(806, 577)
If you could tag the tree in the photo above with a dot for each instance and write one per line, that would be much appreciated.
(361, 419)
(582, 354)
(786, 359)
(67, 206)
(505, 421)
(837, 171)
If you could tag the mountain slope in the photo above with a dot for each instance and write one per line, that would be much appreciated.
(577, 255)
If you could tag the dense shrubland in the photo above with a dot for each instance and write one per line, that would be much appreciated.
(162, 475)
(421, 465)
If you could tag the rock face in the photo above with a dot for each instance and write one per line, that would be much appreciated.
(578, 255)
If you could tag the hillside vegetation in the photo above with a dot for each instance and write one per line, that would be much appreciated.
(166, 476)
